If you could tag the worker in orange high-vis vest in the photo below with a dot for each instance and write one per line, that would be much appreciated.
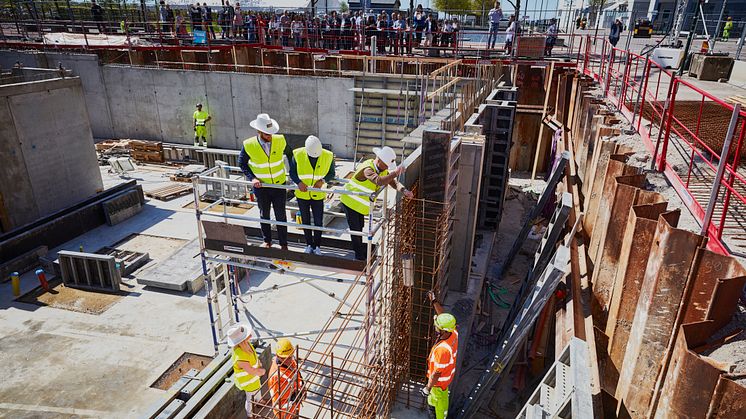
(441, 363)
(285, 382)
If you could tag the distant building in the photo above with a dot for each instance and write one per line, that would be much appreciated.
(378, 5)
(321, 5)
(733, 8)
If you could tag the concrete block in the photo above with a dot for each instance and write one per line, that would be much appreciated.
(336, 115)
(179, 272)
(88, 68)
(219, 103)
(32, 187)
(19, 203)
(738, 74)
(123, 206)
(710, 67)
(292, 102)
(9, 58)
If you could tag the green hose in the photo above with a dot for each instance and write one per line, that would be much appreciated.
(496, 298)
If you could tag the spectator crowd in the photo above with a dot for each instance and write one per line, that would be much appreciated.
(394, 33)
(397, 32)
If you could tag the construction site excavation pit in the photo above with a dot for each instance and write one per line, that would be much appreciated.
(526, 204)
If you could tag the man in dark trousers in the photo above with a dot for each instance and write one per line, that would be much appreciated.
(616, 32)
(207, 17)
(98, 15)
(371, 176)
(261, 160)
(312, 167)
(195, 13)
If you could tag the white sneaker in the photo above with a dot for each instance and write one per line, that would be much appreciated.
(317, 251)
(308, 250)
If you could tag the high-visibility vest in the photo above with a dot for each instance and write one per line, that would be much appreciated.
(443, 358)
(268, 169)
(242, 379)
(308, 174)
(356, 202)
(200, 118)
(284, 381)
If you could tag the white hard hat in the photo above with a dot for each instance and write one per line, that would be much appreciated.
(238, 334)
(265, 124)
(387, 156)
(313, 146)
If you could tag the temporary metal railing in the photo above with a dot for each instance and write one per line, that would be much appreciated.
(228, 178)
(338, 375)
(684, 128)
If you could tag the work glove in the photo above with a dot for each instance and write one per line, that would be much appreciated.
(425, 391)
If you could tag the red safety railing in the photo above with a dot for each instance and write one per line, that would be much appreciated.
(684, 128)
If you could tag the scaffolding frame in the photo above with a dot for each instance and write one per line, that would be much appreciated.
(351, 382)
(222, 179)
(361, 376)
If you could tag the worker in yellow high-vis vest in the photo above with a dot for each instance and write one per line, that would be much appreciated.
(262, 161)
(371, 175)
(201, 118)
(247, 369)
(311, 167)
(727, 28)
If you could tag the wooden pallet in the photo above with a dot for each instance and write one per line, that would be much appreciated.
(169, 192)
(141, 145)
(737, 99)
(147, 156)
(182, 179)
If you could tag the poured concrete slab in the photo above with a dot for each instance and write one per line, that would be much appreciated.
(88, 358)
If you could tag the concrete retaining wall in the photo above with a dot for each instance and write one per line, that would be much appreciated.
(87, 67)
(157, 104)
(47, 153)
(738, 74)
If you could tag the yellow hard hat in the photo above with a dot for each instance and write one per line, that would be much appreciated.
(284, 347)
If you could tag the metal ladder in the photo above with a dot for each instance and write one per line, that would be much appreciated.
(565, 391)
(222, 294)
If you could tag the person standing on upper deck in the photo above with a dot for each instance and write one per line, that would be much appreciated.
(261, 160)
(371, 176)
(495, 15)
(615, 32)
(552, 32)
(312, 167)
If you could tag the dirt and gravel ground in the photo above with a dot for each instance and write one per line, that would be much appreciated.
(520, 198)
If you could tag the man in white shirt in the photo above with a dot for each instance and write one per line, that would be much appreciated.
(509, 35)
(495, 15)
(551, 37)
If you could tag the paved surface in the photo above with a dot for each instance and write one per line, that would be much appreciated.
(60, 363)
